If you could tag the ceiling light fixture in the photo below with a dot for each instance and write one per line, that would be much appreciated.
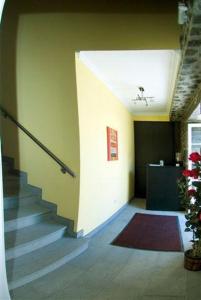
(182, 12)
(141, 97)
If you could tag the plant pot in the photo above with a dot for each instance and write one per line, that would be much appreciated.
(191, 263)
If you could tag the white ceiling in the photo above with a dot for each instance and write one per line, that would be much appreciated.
(123, 72)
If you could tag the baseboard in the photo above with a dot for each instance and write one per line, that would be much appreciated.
(70, 223)
(104, 224)
(64, 221)
(70, 226)
(131, 198)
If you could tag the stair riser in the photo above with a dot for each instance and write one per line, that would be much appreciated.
(13, 187)
(8, 160)
(14, 181)
(25, 221)
(34, 244)
(18, 173)
(6, 169)
(23, 191)
(18, 189)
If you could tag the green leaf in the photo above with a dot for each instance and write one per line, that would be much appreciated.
(188, 224)
(187, 229)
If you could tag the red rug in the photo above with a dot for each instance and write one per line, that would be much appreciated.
(151, 232)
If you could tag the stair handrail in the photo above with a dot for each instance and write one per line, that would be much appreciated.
(64, 167)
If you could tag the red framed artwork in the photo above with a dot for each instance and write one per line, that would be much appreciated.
(112, 144)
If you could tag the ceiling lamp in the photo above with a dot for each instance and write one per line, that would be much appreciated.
(141, 97)
(182, 12)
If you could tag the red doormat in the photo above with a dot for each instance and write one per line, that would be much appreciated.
(151, 232)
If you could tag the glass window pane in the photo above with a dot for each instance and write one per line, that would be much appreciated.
(196, 135)
(195, 148)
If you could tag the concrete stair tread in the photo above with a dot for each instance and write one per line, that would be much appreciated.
(28, 234)
(42, 261)
(24, 211)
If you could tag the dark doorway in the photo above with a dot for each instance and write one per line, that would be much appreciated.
(154, 141)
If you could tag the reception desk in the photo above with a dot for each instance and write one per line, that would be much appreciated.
(162, 190)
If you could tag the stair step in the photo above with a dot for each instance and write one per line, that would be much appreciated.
(6, 168)
(22, 191)
(35, 243)
(16, 173)
(17, 197)
(7, 159)
(7, 164)
(19, 201)
(14, 180)
(23, 270)
(31, 238)
(24, 216)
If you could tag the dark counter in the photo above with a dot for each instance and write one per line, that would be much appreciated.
(162, 189)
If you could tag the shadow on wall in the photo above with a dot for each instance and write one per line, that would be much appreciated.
(8, 81)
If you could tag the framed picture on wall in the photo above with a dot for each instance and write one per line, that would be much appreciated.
(112, 144)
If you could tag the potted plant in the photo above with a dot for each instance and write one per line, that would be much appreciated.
(190, 193)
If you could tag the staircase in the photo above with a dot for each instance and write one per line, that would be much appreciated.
(35, 242)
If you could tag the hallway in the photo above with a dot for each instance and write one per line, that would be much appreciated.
(110, 272)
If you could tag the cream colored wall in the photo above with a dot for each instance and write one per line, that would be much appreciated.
(151, 118)
(43, 94)
(105, 186)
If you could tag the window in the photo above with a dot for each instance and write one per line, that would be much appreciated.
(194, 140)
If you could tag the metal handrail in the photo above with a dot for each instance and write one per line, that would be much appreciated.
(64, 168)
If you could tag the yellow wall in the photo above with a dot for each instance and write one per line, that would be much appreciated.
(151, 118)
(39, 47)
(105, 186)
(46, 105)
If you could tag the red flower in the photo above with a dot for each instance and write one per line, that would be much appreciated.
(186, 173)
(194, 173)
(191, 192)
(194, 157)
(191, 173)
(199, 216)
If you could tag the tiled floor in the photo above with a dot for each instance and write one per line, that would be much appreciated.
(111, 272)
